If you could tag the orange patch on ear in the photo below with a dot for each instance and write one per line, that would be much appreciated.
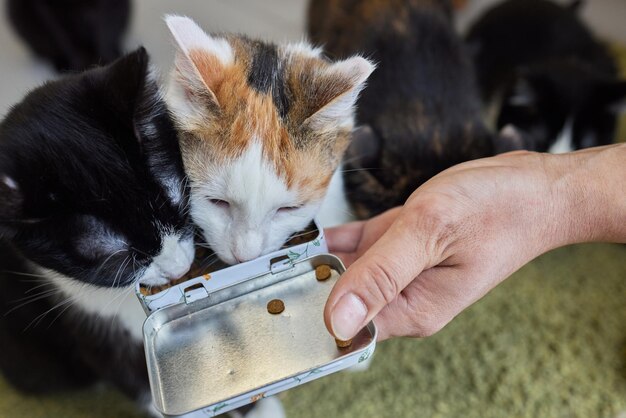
(210, 68)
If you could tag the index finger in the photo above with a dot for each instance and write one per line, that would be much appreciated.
(344, 238)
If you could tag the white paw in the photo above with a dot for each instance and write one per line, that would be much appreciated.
(267, 408)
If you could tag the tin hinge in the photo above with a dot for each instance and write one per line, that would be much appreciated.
(195, 292)
(280, 264)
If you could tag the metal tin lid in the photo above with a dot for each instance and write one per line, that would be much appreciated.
(226, 350)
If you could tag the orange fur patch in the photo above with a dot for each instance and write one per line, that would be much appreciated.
(306, 160)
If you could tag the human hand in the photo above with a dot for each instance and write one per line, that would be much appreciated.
(414, 268)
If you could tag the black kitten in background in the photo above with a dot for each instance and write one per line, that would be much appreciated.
(545, 77)
(92, 200)
(72, 34)
(420, 111)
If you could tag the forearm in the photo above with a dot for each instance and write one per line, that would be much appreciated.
(591, 186)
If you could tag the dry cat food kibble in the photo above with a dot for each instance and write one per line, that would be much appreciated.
(322, 272)
(275, 306)
(343, 344)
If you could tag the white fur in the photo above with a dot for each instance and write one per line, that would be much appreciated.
(302, 48)
(179, 103)
(335, 209)
(188, 35)
(173, 261)
(9, 182)
(106, 302)
(148, 130)
(251, 226)
(101, 240)
(564, 141)
(173, 189)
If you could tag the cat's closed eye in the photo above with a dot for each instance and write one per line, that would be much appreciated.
(287, 209)
(220, 203)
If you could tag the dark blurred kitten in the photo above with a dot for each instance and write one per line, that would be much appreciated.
(544, 76)
(420, 111)
(92, 200)
(72, 34)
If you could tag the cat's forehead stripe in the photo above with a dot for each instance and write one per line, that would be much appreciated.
(267, 75)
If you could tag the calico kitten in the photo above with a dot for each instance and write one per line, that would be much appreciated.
(420, 113)
(92, 200)
(545, 77)
(263, 127)
(72, 34)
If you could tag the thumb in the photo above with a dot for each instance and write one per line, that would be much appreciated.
(377, 278)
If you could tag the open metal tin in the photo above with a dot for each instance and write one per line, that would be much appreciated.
(211, 345)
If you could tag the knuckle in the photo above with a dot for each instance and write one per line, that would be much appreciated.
(426, 328)
(434, 218)
(382, 285)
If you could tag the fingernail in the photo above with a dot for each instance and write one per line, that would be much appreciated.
(348, 316)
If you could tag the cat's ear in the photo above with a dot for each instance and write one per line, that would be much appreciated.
(200, 59)
(10, 204)
(126, 81)
(365, 148)
(334, 92)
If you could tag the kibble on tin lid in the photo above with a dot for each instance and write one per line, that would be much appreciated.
(275, 306)
(322, 272)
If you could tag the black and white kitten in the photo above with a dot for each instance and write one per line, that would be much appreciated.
(420, 112)
(544, 77)
(72, 34)
(92, 200)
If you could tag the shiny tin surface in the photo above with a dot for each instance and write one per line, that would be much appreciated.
(225, 350)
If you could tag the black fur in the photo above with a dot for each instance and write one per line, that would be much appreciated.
(421, 104)
(78, 156)
(267, 76)
(72, 34)
(539, 66)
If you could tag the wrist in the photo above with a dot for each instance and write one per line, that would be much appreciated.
(589, 191)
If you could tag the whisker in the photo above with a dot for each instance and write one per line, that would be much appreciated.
(19, 273)
(311, 232)
(60, 313)
(40, 317)
(47, 283)
(364, 169)
(107, 260)
(31, 299)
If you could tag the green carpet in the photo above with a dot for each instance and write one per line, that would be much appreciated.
(549, 342)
